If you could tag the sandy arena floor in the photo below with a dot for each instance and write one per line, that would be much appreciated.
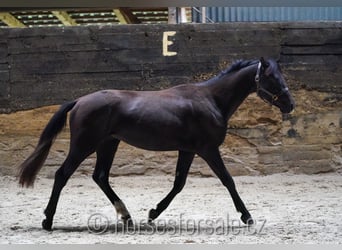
(287, 209)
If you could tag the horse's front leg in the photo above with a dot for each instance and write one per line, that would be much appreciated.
(214, 160)
(183, 164)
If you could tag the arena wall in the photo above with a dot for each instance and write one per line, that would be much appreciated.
(40, 68)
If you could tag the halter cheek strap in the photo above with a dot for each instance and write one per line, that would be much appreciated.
(257, 76)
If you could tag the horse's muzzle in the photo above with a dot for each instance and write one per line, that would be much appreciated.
(288, 109)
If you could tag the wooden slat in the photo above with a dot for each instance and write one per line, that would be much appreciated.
(2, 24)
(154, 21)
(88, 11)
(92, 15)
(149, 9)
(64, 17)
(95, 21)
(140, 14)
(125, 16)
(304, 37)
(42, 22)
(147, 18)
(10, 20)
(329, 49)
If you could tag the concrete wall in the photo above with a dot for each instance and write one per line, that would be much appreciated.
(41, 67)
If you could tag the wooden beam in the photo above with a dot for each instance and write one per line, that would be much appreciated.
(64, 17)
(11, 20)
(125, 16)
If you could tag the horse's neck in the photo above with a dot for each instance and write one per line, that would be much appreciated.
(231, 90)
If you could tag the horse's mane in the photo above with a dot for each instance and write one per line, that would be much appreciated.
(240, 64)
(236, 66)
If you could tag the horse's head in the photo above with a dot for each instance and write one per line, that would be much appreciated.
(271, 86)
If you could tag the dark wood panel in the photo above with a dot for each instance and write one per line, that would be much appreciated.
(4, 84)
(312, 36)
(330, 49)
(3, 52)
(43, 66)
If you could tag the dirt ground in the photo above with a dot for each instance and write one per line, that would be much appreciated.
(286, 208)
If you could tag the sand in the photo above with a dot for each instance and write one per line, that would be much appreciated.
(287, 209)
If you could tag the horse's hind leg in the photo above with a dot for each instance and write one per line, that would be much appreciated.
(183, 165)
(105, 155)
(73, 160)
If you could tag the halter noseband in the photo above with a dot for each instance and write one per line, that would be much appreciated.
(274, 97)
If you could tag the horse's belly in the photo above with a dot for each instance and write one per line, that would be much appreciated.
(150, 142)
(164, 137)
(165, 131)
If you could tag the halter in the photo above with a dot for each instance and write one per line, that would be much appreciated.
(274, 97)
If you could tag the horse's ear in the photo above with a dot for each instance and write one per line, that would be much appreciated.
(264, 63)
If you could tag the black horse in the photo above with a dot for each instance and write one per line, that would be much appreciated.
(189, 118)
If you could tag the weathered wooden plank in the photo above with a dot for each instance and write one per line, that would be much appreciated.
(46, 44)
(4, 82)
(313, 81)
(321, 79)
(64, 17)
(125, 16)
(11, 20)
(57, 91)
(133, 29)
(315, 36)
(80, 62)
(309, 25)
(3, 52)
(236, 37)
(329, 49)
(329, 62)
(144, 72)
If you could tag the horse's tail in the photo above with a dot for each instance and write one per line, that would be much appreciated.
(29, 169)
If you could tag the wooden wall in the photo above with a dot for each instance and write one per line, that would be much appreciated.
(45, 66)
(40, 67)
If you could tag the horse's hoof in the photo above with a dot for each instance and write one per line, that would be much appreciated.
(247, 219)
(152, 215)
(47, 225)
(128, 222)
